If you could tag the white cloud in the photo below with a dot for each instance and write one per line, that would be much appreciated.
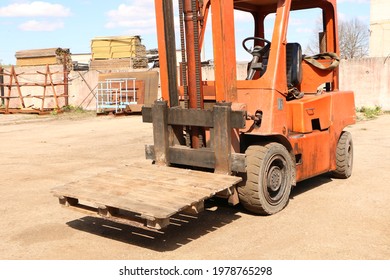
(138, 17)
(34, 25)
(34, 9)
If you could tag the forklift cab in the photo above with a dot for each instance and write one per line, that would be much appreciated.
(258, 65)
(270, 33)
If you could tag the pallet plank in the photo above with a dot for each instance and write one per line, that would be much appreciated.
(154, 192)
(86, 193)
(202, 180)
(133, 195)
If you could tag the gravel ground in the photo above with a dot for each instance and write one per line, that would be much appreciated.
(325, 219)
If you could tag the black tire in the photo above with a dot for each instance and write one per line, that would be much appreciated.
(267, 187)
(344, 156)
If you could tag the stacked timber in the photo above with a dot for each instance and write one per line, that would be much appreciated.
(118, 53)
(51, 56)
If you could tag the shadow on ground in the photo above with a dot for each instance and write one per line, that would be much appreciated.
(183, 229)
(310, 184)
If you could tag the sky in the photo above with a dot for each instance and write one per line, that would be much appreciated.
(26, 24)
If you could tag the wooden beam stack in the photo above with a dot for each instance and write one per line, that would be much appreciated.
(124, 51)
(50, 56)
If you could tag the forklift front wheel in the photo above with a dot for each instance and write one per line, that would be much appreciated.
(268, 182)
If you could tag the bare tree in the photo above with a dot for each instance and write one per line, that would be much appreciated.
(353, 40)
(314, 45)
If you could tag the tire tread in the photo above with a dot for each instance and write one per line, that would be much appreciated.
(343, 171)
(249, 192)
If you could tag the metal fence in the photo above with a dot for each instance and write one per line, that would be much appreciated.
(115, 95)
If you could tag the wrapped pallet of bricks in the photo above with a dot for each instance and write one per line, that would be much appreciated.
(118, 52)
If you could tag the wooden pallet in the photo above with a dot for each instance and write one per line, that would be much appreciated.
(154, 193)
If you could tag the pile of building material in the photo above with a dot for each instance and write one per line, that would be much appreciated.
(118, 53)
(153, 57)
(37, 57)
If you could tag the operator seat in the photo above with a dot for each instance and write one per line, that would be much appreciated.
(293, 64)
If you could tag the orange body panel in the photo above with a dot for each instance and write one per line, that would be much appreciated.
(313, 77)
(316, 125)
(303, 112)
(268, 102)
(314, 153)
(343, 110)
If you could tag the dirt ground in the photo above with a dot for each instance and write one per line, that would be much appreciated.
(325, 219)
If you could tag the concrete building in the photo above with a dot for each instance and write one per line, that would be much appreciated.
(380, 28)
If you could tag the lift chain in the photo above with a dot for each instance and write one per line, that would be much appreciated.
(187, 135)
(197, 52)
(183, 55)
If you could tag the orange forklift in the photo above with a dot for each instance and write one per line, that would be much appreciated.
(249, 140)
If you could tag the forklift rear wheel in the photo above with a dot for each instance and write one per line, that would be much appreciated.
(344, 156)
(268, 182)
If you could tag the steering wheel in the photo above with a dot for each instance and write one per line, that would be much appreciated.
(257, 50)
(257, 56)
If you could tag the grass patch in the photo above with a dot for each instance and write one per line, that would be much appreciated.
(72, 112)
(369, 113)
(73, 109)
